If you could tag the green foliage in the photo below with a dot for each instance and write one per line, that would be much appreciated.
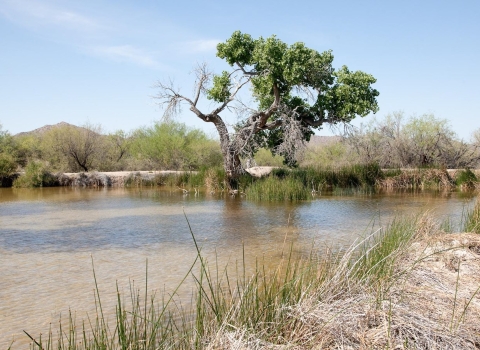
(350, 176)
(71, 148)
(7, 165)
(332, 155)
(36, 175)
(8, 158)
(466, 178)
(264, 157)
(116, 151)
(344, 94)
(174, 146)
(239, 48)
(29, 148)
(220, 92)
(272, 189)
(8, 152)
(352, 95)
(300, 184)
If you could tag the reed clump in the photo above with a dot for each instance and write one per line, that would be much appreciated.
(472, 219)
(301, 184)
(404, 286)
(215, 180)
(466, 179)
(273, 189)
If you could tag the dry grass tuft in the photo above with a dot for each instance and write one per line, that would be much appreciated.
(431, 301)
(418, 178)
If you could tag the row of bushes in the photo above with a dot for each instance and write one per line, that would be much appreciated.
(68, 148)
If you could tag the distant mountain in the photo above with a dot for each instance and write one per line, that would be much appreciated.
(45, 128)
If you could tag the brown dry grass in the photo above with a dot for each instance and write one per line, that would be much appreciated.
(418, 179)
(432, 302)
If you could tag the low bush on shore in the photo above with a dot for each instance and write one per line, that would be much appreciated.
(36, 175)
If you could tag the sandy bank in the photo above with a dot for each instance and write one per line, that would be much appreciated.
(117, 178)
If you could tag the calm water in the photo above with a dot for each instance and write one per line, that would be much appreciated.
(49, 238)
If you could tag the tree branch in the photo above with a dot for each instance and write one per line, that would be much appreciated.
(244, 71)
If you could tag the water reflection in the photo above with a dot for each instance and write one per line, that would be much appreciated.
(48, 238)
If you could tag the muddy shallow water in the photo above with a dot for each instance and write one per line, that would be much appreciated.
(49, 238)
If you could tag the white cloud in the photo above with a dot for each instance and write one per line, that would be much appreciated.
(28, 13)
(127, 53)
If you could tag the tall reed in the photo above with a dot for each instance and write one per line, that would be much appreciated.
(301, 184)
(472, 219)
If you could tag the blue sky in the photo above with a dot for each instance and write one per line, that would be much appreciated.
(97, 61)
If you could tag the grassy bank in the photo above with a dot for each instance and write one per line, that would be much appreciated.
(407, 286)
(280, 184)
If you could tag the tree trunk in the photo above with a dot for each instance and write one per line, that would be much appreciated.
(233, 167)
(231, 159)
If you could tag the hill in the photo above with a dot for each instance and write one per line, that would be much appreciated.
(42, 130)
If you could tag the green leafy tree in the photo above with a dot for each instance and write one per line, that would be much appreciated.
(74, 148)
(295, 90)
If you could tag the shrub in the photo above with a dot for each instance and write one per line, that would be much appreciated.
(264, 157)
(174, 146)
(35, 175)
(7, 165)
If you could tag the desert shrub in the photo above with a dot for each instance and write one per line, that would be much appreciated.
(8, 158)
(264, 157)
(36, 175)
(424, 141)
(332, 155)
(174, 146)
(7, 165)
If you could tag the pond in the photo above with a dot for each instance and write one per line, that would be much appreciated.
(51, 238)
